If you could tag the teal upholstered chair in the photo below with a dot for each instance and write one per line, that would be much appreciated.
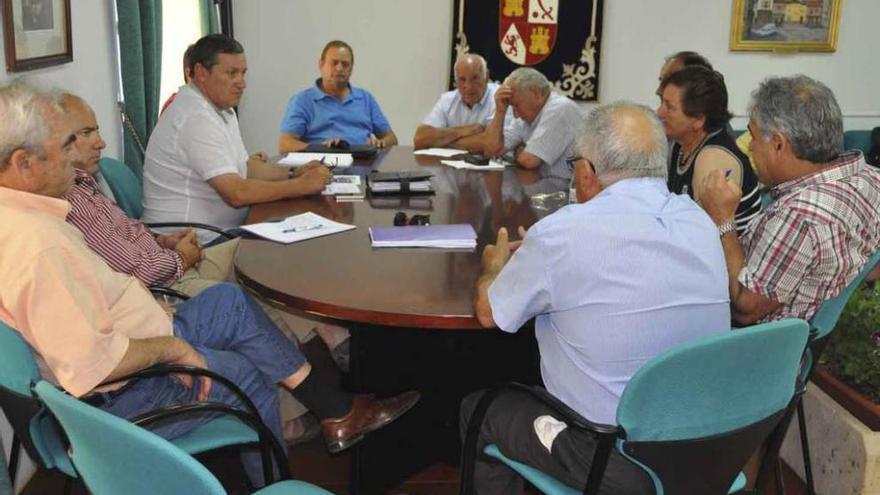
(857, 140)
(114, 456)
(32, 428)
(39, 435)
(821, 326)
(127, 191)
(691, 417)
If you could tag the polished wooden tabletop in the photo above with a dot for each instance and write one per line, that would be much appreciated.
(342, 277)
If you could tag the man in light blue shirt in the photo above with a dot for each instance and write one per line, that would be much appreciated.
(333, 109)
(459, 116)
(627, 273)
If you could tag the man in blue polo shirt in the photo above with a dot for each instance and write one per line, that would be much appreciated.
(333, 109)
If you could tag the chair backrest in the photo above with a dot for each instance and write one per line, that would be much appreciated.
(125, 185)
(123, 458)
(37, 431)
(857, 140)
(826, 316)
(704, 407)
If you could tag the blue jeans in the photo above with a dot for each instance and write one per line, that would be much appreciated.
(239, 342)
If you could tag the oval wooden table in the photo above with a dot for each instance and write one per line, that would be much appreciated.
(400, 304)
(342, 277)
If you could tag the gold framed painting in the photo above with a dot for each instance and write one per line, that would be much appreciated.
(785, 25)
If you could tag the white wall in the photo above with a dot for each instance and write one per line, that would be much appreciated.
(402, 50)
(92, 73)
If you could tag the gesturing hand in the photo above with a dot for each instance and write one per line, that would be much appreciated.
(720, 197)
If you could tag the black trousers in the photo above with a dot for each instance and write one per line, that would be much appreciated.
(509, 424)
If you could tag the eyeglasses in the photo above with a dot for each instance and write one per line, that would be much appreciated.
(570, 161)
(401, 219)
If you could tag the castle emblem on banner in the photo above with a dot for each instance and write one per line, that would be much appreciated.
(527, 29)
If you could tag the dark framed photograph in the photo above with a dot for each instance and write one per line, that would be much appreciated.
(36, 33)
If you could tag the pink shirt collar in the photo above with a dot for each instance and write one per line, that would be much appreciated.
(22, 200)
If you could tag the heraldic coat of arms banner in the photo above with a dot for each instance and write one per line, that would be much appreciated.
(560, 38)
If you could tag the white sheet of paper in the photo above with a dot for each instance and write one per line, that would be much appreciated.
(463, 165)
(330, 159)
(444, 152)
(297, 228)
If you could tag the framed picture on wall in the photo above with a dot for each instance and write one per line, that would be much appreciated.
(36, 33)
(785, 25)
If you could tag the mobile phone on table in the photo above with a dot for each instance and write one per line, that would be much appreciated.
(476, 159)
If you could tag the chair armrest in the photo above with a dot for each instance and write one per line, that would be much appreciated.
(253, 421)
(570, 415)
(606, 434)
(202, 226)
(167, 291)
(167, 369)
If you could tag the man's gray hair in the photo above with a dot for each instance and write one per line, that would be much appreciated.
(804, 111)
(526, 78)
(475, 59)
(620, 146)
(23, 118)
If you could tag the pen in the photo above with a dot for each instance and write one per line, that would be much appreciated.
(727, 174)
(301, 229)
(322, 159)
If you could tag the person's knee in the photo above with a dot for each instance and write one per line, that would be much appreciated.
(225, 291)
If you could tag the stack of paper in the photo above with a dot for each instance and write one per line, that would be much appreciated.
(463, 165)
(345, 188)
(297, 228)
(438, 236)
(329, 159)
(445, 152)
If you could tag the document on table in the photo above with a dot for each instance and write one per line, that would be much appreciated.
(329, 159)
(297, 228)
(436, 236)
(444, 152)
(463, 165)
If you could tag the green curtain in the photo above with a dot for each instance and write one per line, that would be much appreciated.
(140, 50)
(210, 22)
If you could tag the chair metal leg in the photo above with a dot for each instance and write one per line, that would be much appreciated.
(805, 448)
(600, 462)
(14, 454)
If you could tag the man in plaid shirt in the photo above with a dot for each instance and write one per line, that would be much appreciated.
(822, 224)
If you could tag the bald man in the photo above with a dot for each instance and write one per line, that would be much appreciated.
(460, 115)
(596, 322)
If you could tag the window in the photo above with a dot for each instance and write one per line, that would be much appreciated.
(181, 27)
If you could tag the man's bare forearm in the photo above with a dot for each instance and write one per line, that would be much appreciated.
(143, 353)
(493, 139)
(288, 143)
(428, 136)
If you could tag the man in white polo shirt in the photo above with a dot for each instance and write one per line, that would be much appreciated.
(542, 136)
(196, 167)
(460, 116)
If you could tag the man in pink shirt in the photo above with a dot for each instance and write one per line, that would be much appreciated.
(89, 324)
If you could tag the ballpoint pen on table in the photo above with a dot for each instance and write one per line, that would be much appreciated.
(301, 229)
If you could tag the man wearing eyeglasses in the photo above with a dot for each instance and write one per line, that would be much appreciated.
(630, 271)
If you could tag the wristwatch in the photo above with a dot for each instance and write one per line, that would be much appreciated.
(726, 227)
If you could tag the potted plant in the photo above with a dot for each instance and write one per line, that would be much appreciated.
(850, 366)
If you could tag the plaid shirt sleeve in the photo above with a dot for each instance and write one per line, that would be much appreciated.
(779, 253)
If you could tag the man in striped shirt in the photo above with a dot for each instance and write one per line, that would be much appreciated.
(168, 260)
(821, 226)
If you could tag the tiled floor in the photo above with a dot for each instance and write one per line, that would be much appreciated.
(311, 462)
